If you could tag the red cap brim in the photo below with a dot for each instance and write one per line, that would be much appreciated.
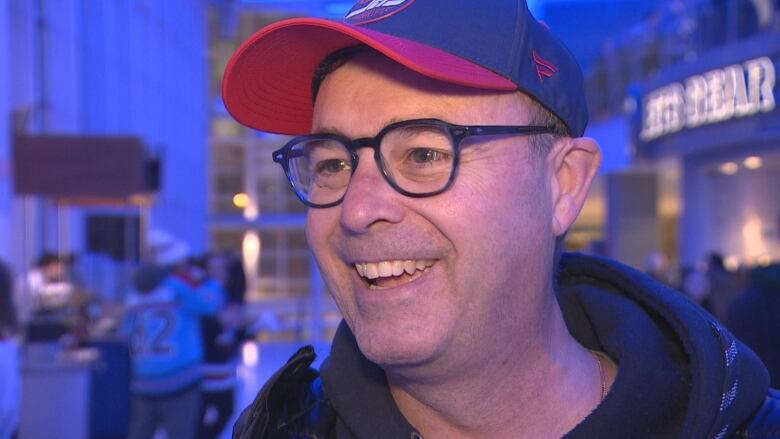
(267, 83)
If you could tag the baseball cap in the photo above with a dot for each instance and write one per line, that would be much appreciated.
(177, 252)
(484, 44)
(158, 238)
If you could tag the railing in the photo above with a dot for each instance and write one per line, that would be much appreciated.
(677, 32)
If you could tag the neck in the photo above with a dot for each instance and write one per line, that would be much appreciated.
(517, 391)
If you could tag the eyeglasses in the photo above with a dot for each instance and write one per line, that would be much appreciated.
(418, 158)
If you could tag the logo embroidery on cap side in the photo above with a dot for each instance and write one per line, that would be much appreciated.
(544, 68)
(367, 11)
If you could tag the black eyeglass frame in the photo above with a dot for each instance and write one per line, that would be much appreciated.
(456, 133)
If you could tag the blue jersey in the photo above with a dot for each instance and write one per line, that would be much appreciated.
(165, 335)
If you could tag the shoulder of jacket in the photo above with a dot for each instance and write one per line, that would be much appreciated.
(292, 404)
(765, 423)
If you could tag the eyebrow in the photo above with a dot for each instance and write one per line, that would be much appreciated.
(337, 131)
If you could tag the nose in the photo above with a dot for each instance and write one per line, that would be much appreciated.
(369, 198)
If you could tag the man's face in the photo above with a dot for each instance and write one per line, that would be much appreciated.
(54, 271)
(482, 250)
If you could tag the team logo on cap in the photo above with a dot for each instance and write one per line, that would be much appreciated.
(367, 11)
(544, 69)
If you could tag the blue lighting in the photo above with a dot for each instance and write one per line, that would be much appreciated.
(271, 1)
(337, 8)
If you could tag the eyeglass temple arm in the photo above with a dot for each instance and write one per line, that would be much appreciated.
(486, 130)
(278, 156)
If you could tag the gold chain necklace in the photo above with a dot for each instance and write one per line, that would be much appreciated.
(599, 357)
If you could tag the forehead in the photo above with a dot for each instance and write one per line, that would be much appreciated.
(370, 91)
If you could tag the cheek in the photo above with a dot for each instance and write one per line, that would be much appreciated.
(504, 220)
(321, 225)
(526, 221)
(508, 198)
(472, 195)
(319, 230)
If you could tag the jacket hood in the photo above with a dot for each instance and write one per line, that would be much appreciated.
(680, 372)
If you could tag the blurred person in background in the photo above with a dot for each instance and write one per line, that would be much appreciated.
(10, 380)
(776, 5)
(657, 267)
(695, 283)
(46, 299)
(222, 335)
(724, 284)
(53, 303)
(754, 317)
(45, 286)
(163, 323)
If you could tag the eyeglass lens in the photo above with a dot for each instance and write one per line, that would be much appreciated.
(417, 158)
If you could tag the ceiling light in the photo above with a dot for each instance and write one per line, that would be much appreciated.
(241, 200)
(753, 162)
(729, 168)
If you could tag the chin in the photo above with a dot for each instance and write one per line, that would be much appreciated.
(398, 345)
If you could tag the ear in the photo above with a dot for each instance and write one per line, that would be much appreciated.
(574, 163)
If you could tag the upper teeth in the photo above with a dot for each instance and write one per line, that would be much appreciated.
(373, 270)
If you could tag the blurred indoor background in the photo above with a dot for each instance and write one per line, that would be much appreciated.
(112, 126)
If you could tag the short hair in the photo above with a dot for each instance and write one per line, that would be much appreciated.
(540, 144)
(333, 62)
(47, 259)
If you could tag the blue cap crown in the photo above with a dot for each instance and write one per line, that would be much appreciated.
(500, 35)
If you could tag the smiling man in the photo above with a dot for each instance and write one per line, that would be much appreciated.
(439, 150)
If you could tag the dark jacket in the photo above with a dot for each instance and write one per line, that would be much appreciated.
(681, 374)
(754, 317)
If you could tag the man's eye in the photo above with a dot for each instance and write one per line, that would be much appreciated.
(333, 166)
(427, 155)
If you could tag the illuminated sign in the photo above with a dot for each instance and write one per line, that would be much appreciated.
(736, 91)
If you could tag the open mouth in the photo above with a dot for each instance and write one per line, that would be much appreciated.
(389, 274)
